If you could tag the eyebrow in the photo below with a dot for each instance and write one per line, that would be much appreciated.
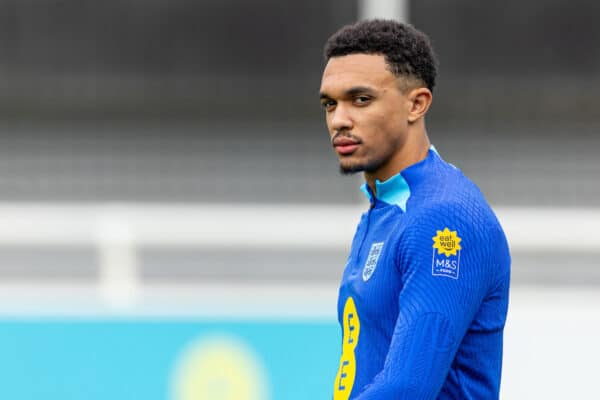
(353, 91)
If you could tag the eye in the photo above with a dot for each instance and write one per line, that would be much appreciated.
(362, 100)
(328, 105)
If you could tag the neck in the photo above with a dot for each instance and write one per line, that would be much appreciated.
(415, 149)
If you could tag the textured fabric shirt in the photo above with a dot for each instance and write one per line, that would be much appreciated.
(424, 294)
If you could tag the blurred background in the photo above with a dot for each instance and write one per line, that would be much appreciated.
(172, 220)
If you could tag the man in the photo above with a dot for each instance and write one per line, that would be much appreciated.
(424, 294)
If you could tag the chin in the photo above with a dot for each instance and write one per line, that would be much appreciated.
(348, 168)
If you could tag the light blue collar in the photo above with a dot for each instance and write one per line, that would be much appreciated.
(393, 191)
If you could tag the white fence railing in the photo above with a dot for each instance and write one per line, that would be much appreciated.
(306, 226)
(117, 231)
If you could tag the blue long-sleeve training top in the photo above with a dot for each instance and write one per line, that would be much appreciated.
(424, 295)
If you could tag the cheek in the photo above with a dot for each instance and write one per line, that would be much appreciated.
(395, 126)
(384, 132)
(328, 123)
(386, 126)
(395, 118)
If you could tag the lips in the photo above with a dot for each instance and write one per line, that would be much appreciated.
(345, 146)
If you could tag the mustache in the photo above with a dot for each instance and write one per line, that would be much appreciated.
(347, 135)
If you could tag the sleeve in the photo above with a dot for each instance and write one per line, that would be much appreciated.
(444, 262)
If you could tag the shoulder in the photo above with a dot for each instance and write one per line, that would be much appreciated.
(450, 197)
(450, 240)
(463, 218)
(449, 216)
(468, 218)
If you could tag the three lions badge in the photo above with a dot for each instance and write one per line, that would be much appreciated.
(372, 258)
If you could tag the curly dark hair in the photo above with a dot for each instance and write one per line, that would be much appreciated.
(407, 51)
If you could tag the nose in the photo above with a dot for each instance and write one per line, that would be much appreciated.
(340, 118)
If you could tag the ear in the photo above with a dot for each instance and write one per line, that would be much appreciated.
(420, 100)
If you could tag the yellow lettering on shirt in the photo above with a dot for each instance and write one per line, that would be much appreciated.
(447, 242)
(344, 379)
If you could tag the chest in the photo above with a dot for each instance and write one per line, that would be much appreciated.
(372, 276)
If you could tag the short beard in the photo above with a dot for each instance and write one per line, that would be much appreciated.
(370, 166)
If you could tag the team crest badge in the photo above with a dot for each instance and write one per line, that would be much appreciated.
(372, 258)
(446, 254)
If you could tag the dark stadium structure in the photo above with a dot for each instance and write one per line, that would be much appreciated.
(216, 102)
